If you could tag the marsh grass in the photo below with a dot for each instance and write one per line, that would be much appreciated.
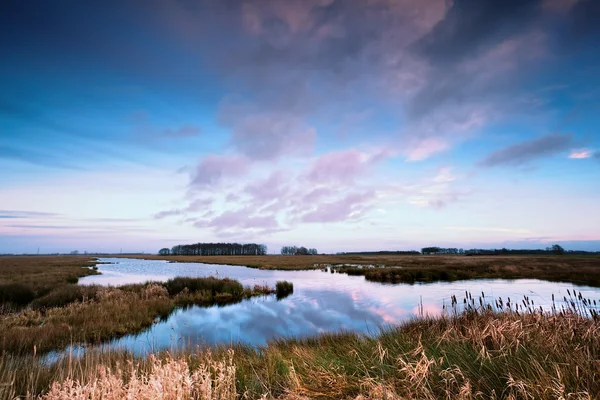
(582, 270)
(283, 289)
(24, 279)
(91, 314)
(477, 349)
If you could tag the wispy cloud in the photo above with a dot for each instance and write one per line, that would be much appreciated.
(26, 214)
(519, 231)
(525, 152)
(581, 153)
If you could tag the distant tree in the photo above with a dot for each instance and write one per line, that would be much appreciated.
(430, 250)
(294, 250)
(557, 249)
(164, 252)
(219, 249)
(75, 252)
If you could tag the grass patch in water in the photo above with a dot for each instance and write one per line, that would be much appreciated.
(90, 314)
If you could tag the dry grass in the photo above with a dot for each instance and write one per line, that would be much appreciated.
(43, 272)
(26, 278)
(168, 379)
(483, 353)
(108, 312)
(583, 270)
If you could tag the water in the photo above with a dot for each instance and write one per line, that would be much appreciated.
(321, 302)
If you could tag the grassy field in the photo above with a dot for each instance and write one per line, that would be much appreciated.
(26, 278)
(489, 351)
(484, 353)
(583, 270)
(43, 309)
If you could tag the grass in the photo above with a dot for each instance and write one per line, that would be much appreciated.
(24, 279)
(581, 270)
(91, 314)
(490, 351)
(283, 289)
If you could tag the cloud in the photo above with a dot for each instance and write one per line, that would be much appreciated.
(238, 220)
(26, 214)
(470, 26)
(144, 129)
(351, 206)
(196, 205)
(214, 168)
(425, 148)
(275, 187)
(519, 231)
(437, 193)
(524, 152)
(580, 153)
(342, 166)
(168, 213)
(271, 136)
(182, 132)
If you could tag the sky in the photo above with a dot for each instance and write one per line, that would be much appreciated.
(343, 125)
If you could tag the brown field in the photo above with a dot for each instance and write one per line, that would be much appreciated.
(484, 353)
(43, 308)
(480, 354)
(582, 270)
(41, 272)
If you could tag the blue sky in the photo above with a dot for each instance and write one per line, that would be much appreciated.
(340, 125)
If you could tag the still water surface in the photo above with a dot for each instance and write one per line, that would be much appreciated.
(321, 302)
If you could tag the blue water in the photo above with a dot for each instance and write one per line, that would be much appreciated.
(321, 302)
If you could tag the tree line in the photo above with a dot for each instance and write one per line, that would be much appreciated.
(294, 250)
(379, 253)
(215, 249)
(554, 249)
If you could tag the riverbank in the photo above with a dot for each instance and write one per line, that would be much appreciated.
(580, 270)
(93, 314)
(43, 308)
(482, 353)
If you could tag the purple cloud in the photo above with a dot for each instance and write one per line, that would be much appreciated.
(239, 219)
(213, 168)
(342, 166)
(273, 188)
(524, 152)
(267, 136)
(167, 213)
(348, 207)
(194, 206)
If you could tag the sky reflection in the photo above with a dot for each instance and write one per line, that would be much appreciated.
(321, 302)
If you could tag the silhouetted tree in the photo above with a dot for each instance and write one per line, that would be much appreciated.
(557, 249)
(219, 249)
(164, 252)
(294, 250)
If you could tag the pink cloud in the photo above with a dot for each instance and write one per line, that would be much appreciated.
(350, 207)
(580, 154)
(267, 135)
(424, 149)
(214, 168)
(297, 15)
(272, 188)
(342, 166)
(239, 219)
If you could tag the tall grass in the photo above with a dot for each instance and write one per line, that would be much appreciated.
(582, 270)
(90, 314)
(477, 350)
(283, 289)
